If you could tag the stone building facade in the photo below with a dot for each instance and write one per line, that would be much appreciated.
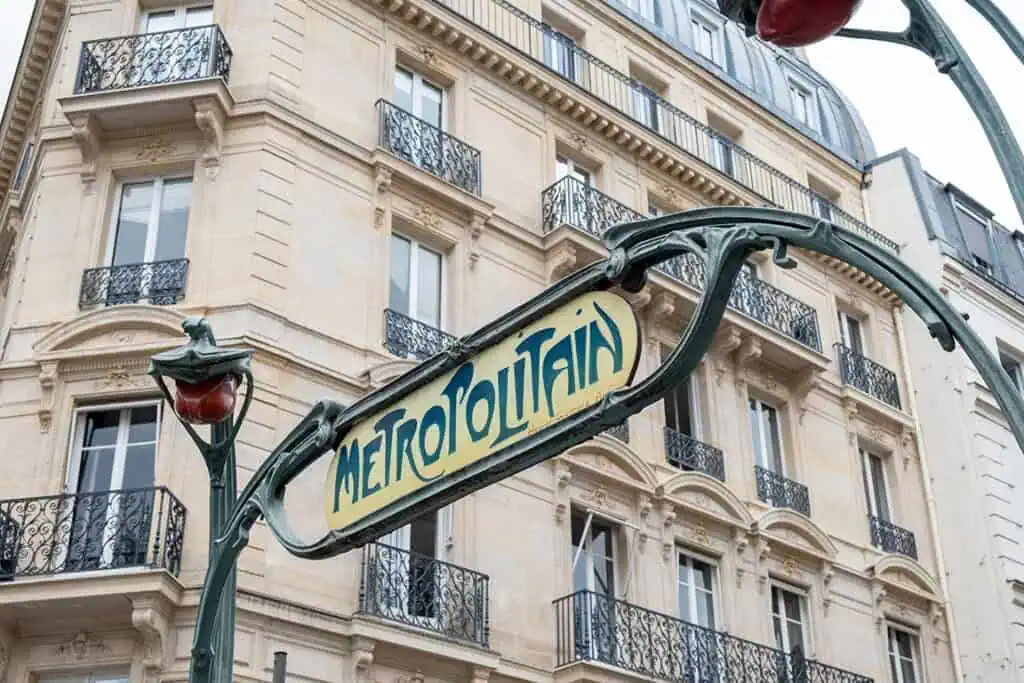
(974, 460)
(341, 186)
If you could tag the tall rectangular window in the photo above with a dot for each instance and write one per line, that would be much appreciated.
(850, 332)
(788, 621)
(767, 435)
(410, 576)
(151, 221)
(695, 585)
(802, 101)
(722, 153)
(1012, 367)
(416, 281)
(565, 167)
(707, 39)
(876, 485)
(822, 207)
(172, 18)
(560, 53)
(645, 105)
(85, 677)
(593, 547)
(975, 229)
(419, 97)
(903, 656)
(24, 164)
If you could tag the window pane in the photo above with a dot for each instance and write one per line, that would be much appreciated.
(1012, 368)
(755, 429)
(133, 223)
(139, 467)
(174, 206)
(428, 291)
(770, 428)
(142, 425)
(403, 89)
(677, 408)
(398, 294)
(199, 16)
(101, 428)
(430, 104)
(164, 20)
(878, 482)
(423, 535)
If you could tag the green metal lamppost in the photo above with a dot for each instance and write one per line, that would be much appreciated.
(795, 23)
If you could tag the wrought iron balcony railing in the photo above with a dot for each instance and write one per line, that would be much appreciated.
(428, 147)
(778, 310)
(77, 532)
(891, 538)
(780, 492)
(864, 374)
(161, 283)
(559, 53)
(185, 54)
(407, 337)
(422, 591)
(619, 431)
(687, 453)
(593, 627)
(571, 202)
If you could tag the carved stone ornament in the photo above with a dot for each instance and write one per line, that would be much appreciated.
(122, 377)
(580, 142)
(47, 379)
(563, 475)
(427, 216)
(209, 119)
(82, 645)
(379, 216)
(561, 262)
(151, 621)
(382, 180)
(362, 660)
(154, 149)
(85, 131)
(476, 229)
(428, 55)
(670, 193)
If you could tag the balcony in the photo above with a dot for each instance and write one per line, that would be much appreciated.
(780, 492)
(595, 628)
(161, 283)
(578, 205)
(416, 590)
(80, 532)
(429, 148)
(687, 453)
(533, 39)
(619, 431)
(407, 337)
(890, 538)
(867, 376)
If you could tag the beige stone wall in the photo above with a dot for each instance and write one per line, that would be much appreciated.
(288, 241)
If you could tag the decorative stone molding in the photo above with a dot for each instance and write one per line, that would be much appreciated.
(580, 142)
(150, 619)
(662, 306)
(827, 574)
(476, 229)
(809, 380)
(81, 646)
(563, 475)
(561, 261)
(47, 379)
(907, 446)
(639, 300)
(851, 410)
(153, 149)
(740, 540)
(748, 353)
(878, 594)
(428, 217)
(362, 659)
(382, 180)
(726, 341)
(480, 674)
(380, 215)
(85, 131)
(388, 371)
(210, 118)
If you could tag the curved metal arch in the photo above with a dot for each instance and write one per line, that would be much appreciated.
(722, 237)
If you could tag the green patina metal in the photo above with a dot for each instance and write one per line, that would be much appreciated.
(722, 237)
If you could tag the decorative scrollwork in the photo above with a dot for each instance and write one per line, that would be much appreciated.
(428, 147)
(619, 431)
(571, 202)
(891, 538)
(91, 531)
(153, 59)
(864, 374)
(594, 627)
(780, 492)
(423, 591)
(407, 337)
(161, 283)
(689, 454)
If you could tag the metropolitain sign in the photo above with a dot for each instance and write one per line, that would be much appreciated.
(555, 367)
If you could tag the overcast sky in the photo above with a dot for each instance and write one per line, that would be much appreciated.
(903, 99)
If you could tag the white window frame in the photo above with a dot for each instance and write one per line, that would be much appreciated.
(645, 106)
(977, 261)
(715, 583)
(24, 167)
(915, 652)
(179, 11)
(759, 454)
(152, 229)
(566, 166)
(873, 508)
(693, 384)
(803, 604)
(1016, 373)
(74, 460)
(845, 319)
(419, 82)
(799, 85)
(586, 555)
(97, 676)
(415, 246)
(699, 20)
(723, 156)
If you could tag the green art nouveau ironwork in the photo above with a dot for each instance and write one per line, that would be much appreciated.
(723, 238)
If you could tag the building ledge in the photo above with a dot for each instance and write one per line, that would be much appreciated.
(392, 634)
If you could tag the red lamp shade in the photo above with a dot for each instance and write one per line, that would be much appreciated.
(206, 402)
(795, 23)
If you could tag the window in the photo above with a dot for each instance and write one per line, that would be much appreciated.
(23, 165)
(695, 583)
(802, 100)
(645, 105)
(767, 434)
(983, 265)
(150, 227)
(1011, 366)
(850, 332)
(722, 153)
(903, 656)
(419, 97)
(653, 210)
(561, 54)
(821, 206)
(649, 10)
(113, 451)
(174, 18)
(681, 406)
(567, 167)
(416, 281)
(975, 229)
(91, 677)
(593, 551)
(876, 485)
(788, 622)
(408, 560)
(707, 39)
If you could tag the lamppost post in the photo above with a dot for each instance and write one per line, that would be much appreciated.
(206, 381)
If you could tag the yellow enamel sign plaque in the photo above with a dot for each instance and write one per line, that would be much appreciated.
(563, 363)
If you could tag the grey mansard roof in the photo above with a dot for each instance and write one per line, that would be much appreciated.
(763, 73)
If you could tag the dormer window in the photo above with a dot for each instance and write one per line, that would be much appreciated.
(803, 102)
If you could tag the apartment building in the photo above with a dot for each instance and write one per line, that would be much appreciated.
(973, 458)
(345, 186)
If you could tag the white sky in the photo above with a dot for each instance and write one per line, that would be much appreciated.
(905, 102)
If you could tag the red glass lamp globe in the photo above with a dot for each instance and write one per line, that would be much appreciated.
(796, 23)
(207, 402)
